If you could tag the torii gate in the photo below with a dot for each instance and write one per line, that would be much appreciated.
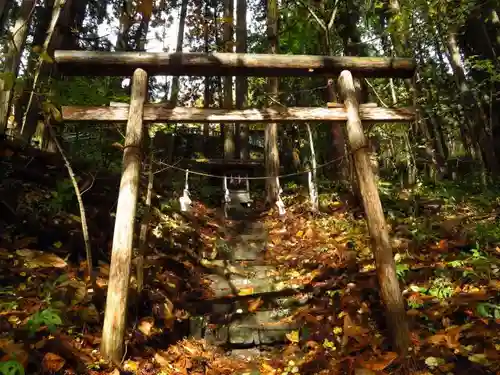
(140, 64)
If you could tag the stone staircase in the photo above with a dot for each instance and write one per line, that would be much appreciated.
(240, 280)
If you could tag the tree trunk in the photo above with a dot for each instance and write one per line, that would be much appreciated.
(60, 10)
(5, 6)
(242, 130)
(229, 144)
(126, 22)
(174, 94)
(142, 33)
(271, 152)
(146, 218)
(483, 140)
(207, 97)
(112, 345)
(43, 19)
(13, 60)
(382, 251)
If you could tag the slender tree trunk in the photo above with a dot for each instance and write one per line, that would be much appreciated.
(174, 95)
(126, 22)
(52, 38)
(218, 82)
(142, 33)
(271, 151)
(229, 144)
(13, 60)
(242, 82)
(483, 140)
(44, 16)
(5, 6)
(143, 234)
(207, 97)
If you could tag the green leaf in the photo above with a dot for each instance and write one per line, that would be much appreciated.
(11, 368)
(46, 57)
(482, 310)
(496, 313)
(50, 317)
(8, 79)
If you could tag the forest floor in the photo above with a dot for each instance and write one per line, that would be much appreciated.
(446, 241)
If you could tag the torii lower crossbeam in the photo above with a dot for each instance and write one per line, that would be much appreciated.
(161, 113)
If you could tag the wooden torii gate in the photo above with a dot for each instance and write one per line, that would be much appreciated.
(140, 64)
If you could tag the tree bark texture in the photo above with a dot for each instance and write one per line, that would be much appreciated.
(103, 63)
(228, 129)
(242, 130)
(162, 112)
(473, 103)
(5, 6)
(174, 94)
(15, 50)
(382, 251)
(116, 304)
(271, 152)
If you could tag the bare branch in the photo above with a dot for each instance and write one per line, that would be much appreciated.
(313, 13)
(334, 15)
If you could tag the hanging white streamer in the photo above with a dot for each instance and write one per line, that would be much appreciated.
(279, 202)
(313, 193)
(185, 200)
(227, 196)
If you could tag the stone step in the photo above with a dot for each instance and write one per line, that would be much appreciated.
(252, 280)
(244, 226)
(248, 329)
(216, 308)
(246, 250)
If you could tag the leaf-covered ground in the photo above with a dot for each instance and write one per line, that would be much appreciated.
(445, 248)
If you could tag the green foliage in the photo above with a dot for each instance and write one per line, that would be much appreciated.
(63, 196)
(401, 270)
(11, 368)
(85, 91)
(488, 310)
(487, 233)
(441, 288)
(48, 317)
(8, 79)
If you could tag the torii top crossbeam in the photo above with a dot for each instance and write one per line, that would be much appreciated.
(99, 63)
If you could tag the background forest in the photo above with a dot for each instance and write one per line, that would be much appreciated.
(454, 43)
(437, 177)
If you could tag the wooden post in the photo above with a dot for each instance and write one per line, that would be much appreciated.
(116, 304)
(382, 251)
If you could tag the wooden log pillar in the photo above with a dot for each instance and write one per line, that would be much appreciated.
(112, 347)
(386, 267)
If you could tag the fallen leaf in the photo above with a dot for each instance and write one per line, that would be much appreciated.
(146, 325)
(309, 233)
(380, 363)
(161, 360)
(293, 336)
(245, 291)
(37, 259)
(52, 363)
(15, 352)
(254, 304)
(363, 371)
(449, 338)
